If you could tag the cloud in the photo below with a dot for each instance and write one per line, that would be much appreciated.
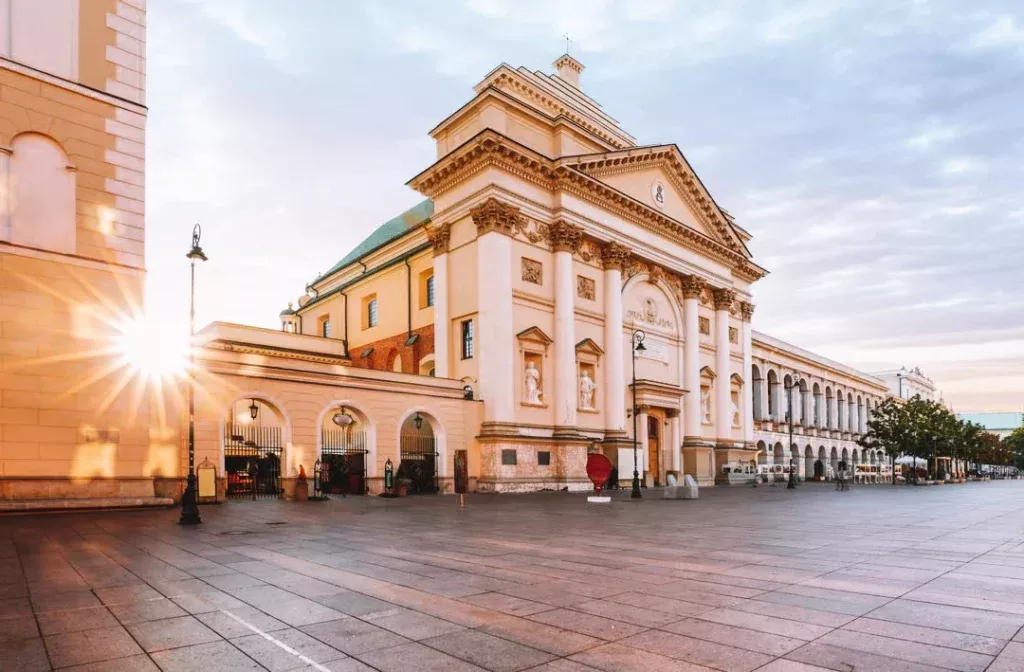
(872, 148)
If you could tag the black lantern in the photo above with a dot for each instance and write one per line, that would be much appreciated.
(254, 409)
(418, 421)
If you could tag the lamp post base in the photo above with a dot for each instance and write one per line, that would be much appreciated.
(189, 504)
(636, 486)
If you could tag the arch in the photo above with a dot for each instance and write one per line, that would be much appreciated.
(42, 195)
(778, 453)
(394, 361)
(437, 429)
(773, 395)
(758, 391)
(850, 408)
(280, 414)
(670, 298)
(840, 410)
(794, 459)
(425, 367)
(361, 417)
(833, 459)
(762, 453)
(854, 457)
(808, 462)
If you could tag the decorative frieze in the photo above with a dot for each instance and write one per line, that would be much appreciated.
(532, 271)
(494, 215)
(440, 237)
(747, 309)
(586, 288)
(723, 298)
(704, 325)
(565, 237)
(734, 335)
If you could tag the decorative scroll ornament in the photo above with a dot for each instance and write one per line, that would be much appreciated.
(565, 237)
(724, 298)
(693, 286)
(589, 250)
(440, 237)
(655, 274)
(494, 215)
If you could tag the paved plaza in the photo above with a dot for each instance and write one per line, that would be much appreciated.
(879, 578)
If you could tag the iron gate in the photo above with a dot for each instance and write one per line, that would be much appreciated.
(341, 469)
(419, 463)
(252, 461)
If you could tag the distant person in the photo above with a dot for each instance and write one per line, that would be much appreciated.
(841, 476)
(613, 478)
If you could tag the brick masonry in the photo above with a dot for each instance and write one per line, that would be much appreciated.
(385, 350)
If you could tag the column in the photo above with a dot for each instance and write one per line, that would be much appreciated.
(495, 223)
(565, 239)
(439, 237)
(5, 192)
(692, 287)
(615, 257)
(807, 399)
(723, 302)
(674, 442)
(747, 311)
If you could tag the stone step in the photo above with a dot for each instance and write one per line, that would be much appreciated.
(7, 506)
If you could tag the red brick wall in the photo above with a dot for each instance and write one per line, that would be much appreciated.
(385, 350)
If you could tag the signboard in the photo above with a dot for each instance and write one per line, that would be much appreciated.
(207, 475)
(461, 472)
(654, 349)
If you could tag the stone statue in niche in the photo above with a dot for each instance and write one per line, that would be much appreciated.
(532, 379)
(705, 404)
(587, 387)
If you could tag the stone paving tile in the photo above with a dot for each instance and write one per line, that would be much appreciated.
(90, 618)
(353, 636)
(973, 621)
(489, 652)
(415, 656)
(743, 638)
(616, 657)
(284, 606)
(229, 628)
(90, 646)
(135, 592)
(910, 651)
(665, 605)
(79, 599)
(626, 613)
(850, 660)
(698, 651)
(141, 663)
(540, 636)
(587, 624)
(355, 604)
(206, 658)
(916, 633)
(507, 604)
(149, 610)
(25, 655)
(171, 633)
(783, 665)
(775, 625)
(412, 624)
(278, 659)
(793, 613)
(17, 629)
(563, 665)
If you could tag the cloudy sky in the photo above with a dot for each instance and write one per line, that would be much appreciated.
(875, 150)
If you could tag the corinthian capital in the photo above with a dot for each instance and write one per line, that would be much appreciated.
(614, 255)
(724, 298)
(748, 310)
(439, 237)
(565, 237)
(692, 286)
(494, 215)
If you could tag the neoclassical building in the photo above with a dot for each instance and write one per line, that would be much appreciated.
(560, 290)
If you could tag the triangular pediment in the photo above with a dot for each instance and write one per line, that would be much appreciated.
(588, 346)
(535, 335)
(662, 179)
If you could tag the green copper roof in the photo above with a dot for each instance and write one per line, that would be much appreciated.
(386, 232)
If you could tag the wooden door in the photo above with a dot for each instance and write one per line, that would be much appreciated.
(653, 445)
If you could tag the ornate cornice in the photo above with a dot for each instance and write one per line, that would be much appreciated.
(692, 286)
(440, 237)
(724, 298)
(614, 255)
(565, 237)
(489, 148)
(266, 350)
(497, 216)
(747, 309)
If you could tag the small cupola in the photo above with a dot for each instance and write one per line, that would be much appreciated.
(568, 70)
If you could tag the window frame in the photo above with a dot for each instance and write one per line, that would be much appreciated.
(468, 339)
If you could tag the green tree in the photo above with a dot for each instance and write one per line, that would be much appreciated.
(1015, 445)
(890, 430)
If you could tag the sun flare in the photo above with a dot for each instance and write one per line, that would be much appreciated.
(151, 349)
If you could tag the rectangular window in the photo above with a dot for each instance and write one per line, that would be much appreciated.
(508, 456)
(544, 458)
(371, 313)
(325, 327)
(430, 291)
(467, 339)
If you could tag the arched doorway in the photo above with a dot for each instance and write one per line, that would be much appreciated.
(654, 447)
(341, 467)
(253, 449)
(819, 466)
(809, 471)
(418, 462)
(834, 459)
(762, 454)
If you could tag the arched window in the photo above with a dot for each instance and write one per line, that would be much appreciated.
(42, 194)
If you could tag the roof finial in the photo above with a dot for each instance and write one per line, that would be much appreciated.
(565, 36)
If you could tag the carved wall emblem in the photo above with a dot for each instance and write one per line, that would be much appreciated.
(704, 325)
(650, 309)
(532, 271)
(734, 335)
(585, 287)
(658, 193)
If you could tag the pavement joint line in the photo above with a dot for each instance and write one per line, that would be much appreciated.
(276, 642)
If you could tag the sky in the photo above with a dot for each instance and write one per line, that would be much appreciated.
(874, 149)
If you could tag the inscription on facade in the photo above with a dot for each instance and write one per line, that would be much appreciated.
(532, 271)
(648, 314)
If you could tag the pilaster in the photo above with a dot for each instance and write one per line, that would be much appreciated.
(692, 287)
(614, 257)
(724, 299)
(747, 312)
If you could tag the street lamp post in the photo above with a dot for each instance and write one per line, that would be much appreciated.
(189, 498)
(637, 341)
(791, 483)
